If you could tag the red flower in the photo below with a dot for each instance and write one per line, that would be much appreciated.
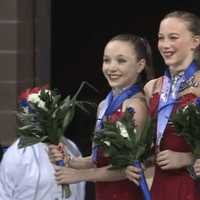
(115, 116)
(35, 90)
(24, 95)
(186, 99)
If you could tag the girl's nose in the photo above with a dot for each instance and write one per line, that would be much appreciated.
(113, 66)
(164, 43)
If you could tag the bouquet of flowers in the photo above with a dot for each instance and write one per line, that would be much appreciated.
(125, 145)
(187, 124)
(44, 117)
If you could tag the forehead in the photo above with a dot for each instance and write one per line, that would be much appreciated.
(118, 47)
(173, 25)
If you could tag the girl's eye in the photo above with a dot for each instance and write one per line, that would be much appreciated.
(173, 38)
(121, 60)
(160, 38)
(106, 60)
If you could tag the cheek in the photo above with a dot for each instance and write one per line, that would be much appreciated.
(180, 45)
(184, 48)
(159, 45)
(159, 49)
(103, 69)
(183, 45)
(132, 74)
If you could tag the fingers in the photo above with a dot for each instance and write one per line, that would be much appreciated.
(66, 175)
(163, 160)
(60, 174)
(61, 147)
(197, 167)
(57, 168)
(191, 90)
(56, 152)
(60, 178)
(197, 171)
(197, 163)
(132, 174)
(54, 156)
(169, 159)
(163, 154)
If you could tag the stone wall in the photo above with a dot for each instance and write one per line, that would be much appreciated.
(24, 56)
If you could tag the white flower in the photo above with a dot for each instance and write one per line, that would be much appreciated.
(185, 108)
(35, 98)
(41, 104)
(123, 131)
(107, 143)
(47, 91)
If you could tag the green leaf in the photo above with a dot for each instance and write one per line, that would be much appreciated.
(28, 141)
(123, 151)
(68, 118)
(48, 125)
(186, 122)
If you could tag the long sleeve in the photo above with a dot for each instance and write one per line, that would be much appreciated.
(14, 179)
(6, 183)
(27, 174)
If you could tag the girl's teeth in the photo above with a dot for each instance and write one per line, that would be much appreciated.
(168, 54)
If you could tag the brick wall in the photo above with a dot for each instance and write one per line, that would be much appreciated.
(24, 56)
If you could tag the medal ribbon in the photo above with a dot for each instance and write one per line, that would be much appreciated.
(168, 96)
(110, 105)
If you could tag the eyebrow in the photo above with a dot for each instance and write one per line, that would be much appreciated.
(168, 34)
(120, 55)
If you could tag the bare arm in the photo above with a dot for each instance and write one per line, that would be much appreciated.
(56, 153)
(140, 117)
(141, 111)
(69, 175)
(81, 163)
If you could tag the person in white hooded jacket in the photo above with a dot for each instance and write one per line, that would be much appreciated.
(27, 174)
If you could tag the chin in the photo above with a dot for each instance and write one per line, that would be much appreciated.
(172, 61)
(169, 62)
(112, 85)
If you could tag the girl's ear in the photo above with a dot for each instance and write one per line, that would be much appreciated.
(196, 41)
(141, 65)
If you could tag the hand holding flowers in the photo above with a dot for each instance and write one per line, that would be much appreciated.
(125, 145)
(186, 121)
(44, 117)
